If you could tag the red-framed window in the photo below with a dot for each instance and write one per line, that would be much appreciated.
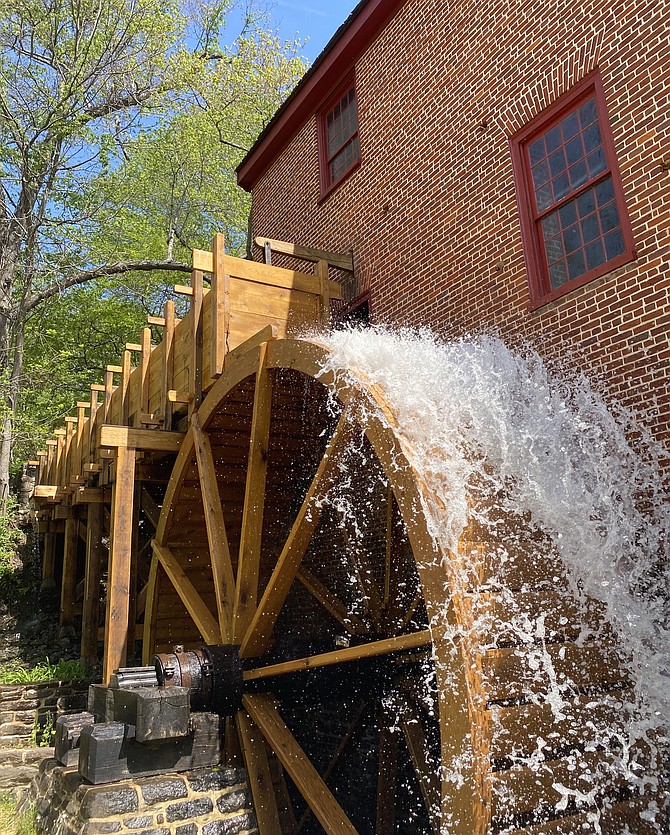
(574, 221)
(339, 144)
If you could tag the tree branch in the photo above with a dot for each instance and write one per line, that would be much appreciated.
(100, 272)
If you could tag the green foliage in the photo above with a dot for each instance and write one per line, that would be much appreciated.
(10, 539)
(63, 670)
(13, 822)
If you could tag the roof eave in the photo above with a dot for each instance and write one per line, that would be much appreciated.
(338, 57)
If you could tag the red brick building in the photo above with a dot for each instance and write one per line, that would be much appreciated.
(492, 166)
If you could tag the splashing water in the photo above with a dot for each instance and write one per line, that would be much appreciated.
(547, 450)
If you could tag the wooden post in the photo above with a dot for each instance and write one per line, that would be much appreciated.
(60, 457)
(109, 388)
(195, 370)
(125, 389)
(220, 307)
(144, 372)
(321, 270)
(49, 561)
(132, 584)
(69, 582)
(51, 445)
(91, 610)
(168, 363)
(120, 555)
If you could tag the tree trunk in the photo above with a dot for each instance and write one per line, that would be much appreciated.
(14, 355)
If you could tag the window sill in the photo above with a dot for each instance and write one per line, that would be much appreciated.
(537, 301)
(326, 192)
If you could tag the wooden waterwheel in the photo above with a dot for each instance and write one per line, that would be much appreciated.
(292, 527)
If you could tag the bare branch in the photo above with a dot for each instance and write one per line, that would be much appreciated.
(85, 276)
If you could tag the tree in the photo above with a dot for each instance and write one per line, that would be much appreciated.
(92, 92)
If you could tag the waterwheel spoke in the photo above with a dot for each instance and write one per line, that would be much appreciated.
(401, 643)
(219, 553)
(387, 769)
(263, 710)
(426, 773)
(246, 592)
(195, 605)
(361, 708)
(259, 635)
(258, 775)
(331, 603)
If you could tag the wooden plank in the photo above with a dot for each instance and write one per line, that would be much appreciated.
(120, 556)
(95, 553)
(399, 643)
(612, 820)
(387, 774)
(69, 579)
(49, 560)
(168, 363)
(195, 605)
(150, 609)
(150, 507)
(321, 271)
(258, 774)
(144, 439)
(259, 634)
(246, 591)
(263, 274)
(329, 813)
(219, 305)
(45, 491)
(340, 260)
(331, 603)
(222, 566)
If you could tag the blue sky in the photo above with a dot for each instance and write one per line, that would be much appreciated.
(314, 19)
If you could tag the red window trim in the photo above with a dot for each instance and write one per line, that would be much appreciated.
(533, 245)
(327, 186)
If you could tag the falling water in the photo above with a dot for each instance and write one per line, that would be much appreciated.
(550, 451)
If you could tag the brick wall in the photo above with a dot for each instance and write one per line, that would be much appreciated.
(431, 213)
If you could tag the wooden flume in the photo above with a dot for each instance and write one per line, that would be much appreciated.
(199, 484)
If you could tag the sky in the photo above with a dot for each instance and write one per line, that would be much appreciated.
(317, 20)
(314, 21)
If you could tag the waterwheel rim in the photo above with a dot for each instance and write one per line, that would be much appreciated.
(241, 613)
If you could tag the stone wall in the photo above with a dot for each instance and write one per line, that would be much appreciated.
(204, 802)
(28, 712)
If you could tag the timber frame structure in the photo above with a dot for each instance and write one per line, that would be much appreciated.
(235, 492)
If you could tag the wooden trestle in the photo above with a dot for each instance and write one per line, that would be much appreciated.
(104, 473)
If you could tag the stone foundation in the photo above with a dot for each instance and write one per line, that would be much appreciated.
(29, 711)
(203, 802)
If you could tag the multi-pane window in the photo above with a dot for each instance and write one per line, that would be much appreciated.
(339, 144)
(573, 213)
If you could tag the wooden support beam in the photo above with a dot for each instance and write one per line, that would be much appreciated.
(246, 594)
(156, 321)
(400, 643)
(183, 290)
(341, 260)
(146, 439)
(179, 396)
(69, 580)
(168, 363)
(263, 711)
(49, 560)
(118, 587)
(331, 603)
(427, 772)
(219, 304)
(109, 388)
(195, 605)
(150, 507)
(259, 776)
(222, 567)
(46, 491)
(95, 554)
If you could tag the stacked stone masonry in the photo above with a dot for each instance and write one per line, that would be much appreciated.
(28, 712)
(206, 802)
(431, 213)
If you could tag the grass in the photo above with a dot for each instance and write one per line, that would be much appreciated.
(11, 822)
(63, 670)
